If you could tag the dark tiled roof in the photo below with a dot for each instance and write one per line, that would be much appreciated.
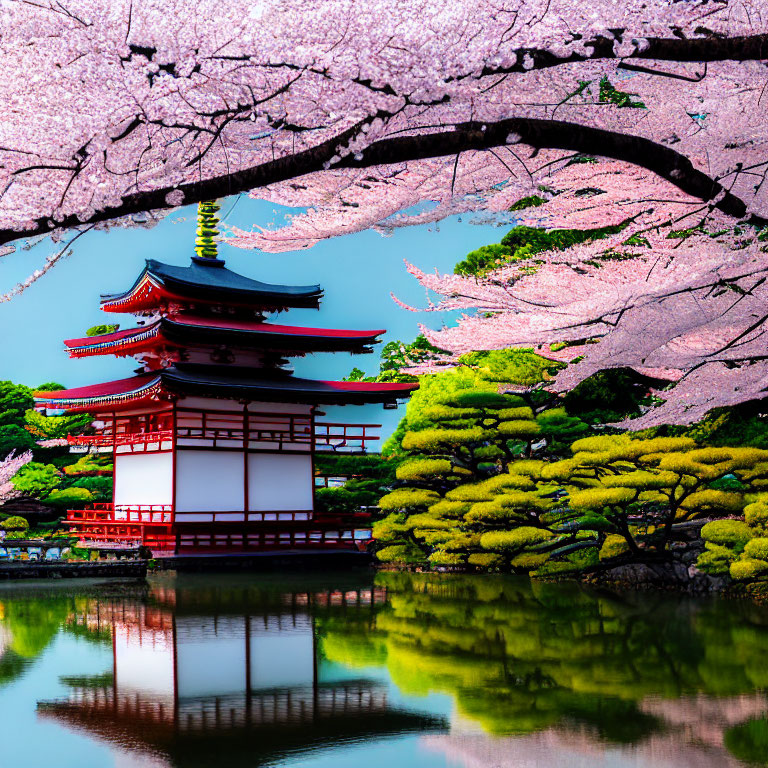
(209, 279)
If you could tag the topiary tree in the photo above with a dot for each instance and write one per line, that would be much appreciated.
(69, 497)
(462, 443)
(637, 497)
(618, 498)
(15, 523)
(36, 479)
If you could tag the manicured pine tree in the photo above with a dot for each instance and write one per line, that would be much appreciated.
(626, 498)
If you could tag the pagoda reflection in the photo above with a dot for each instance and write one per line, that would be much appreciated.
(192, 672)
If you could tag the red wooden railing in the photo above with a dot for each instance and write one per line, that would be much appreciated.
(280, 431)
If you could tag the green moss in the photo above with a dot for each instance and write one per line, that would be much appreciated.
(528, 561)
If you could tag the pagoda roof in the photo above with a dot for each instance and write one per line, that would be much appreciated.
(189, 330)
(207, 281)
(223, 382)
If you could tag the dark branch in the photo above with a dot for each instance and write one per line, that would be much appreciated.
(538, 133)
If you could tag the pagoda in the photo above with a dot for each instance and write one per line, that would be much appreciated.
(214, 438)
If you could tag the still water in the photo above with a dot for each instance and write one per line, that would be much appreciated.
(379, 671)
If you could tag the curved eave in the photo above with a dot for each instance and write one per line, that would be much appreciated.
(284, 339)
(216, 381)
(128, 342)
(111, 395)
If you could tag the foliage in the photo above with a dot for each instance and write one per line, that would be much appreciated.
(94, 330)
(522, 242)
(748, 741)
(607, 396)
(396, 355)
(14, 523)
(36, 479)
(15, 401)
(519, 656)
(738, 548)
(69, 497)
(49, 386)
(367, 475)
(608, 93)
(474, 482)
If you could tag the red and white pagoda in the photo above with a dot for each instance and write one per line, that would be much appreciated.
(214, 438)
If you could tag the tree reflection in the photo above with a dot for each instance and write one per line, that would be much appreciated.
(519, 656)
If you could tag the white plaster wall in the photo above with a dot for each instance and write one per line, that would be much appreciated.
(144, 479)
(281, 656)
(209, 481)
(278, 482)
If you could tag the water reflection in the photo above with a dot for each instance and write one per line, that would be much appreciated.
(201, 668)
(267, 671)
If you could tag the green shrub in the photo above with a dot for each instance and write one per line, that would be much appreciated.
(596, 498)
(15, 523)
(69, 496)
(400, 553)
(748, 742)
(757, 548)
(416, 469)
(742, 570)
(716, 559)
(528, 561)
(446, 558)
(519, 428)
(729, 533)
(756, 516)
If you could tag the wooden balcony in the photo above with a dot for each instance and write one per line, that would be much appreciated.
(288, 432)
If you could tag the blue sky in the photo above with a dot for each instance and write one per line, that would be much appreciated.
(357, 272)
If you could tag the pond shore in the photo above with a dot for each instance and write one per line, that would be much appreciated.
(75, 570)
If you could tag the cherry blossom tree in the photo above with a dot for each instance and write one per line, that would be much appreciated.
(8, 468)
(115, 107)
(118, 110)
(674, 295)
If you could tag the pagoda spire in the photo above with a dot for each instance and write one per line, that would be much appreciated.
(206, 245)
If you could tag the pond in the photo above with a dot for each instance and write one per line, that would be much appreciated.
(377, 670)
